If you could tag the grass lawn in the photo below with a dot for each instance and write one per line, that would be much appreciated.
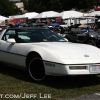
(16, 82)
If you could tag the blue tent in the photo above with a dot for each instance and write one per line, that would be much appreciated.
(85, 30)
(54, 24)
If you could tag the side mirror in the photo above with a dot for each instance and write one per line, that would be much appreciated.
(11, 40)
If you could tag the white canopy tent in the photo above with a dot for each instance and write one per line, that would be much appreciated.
(3, 18)
(46, 14)
(69, 14)
(94, 13)
(26, 15)
(30, 15)
(16, 16)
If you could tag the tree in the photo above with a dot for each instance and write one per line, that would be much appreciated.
(25, 2)
(60, 5)
(7, 8)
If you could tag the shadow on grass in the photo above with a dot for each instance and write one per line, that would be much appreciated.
(58, 82)
(16, 73)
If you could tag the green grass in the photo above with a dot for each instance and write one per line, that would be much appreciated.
(14, 81)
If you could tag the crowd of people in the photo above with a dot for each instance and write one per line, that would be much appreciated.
(60, 30)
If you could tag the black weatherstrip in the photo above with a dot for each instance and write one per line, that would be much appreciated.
(13, 53)
(71, 64)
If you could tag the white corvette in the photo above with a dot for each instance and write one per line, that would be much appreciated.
(42, 52)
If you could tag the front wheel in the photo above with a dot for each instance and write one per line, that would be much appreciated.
(91, 42)
(36, 69)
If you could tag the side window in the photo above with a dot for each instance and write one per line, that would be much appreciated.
(23, 36)
(8, 34)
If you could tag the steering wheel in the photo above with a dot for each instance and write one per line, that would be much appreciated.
(52, 37)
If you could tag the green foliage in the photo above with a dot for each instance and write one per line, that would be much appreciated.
(8, 8)
(14, 81)
(60, 5)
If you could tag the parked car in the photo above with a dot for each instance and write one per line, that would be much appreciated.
(89, 37)
(42, 52)
(0, 30)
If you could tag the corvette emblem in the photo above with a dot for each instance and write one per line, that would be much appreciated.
(86, 55)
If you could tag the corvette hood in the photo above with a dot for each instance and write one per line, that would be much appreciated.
(66, 50)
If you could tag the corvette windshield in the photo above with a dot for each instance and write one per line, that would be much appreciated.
(45, 35)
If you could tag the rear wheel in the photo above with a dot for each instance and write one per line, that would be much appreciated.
(36, 69)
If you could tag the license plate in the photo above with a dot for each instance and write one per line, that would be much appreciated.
(95, 69)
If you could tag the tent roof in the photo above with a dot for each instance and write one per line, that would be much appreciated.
(26, 15)
(69, 14)
(31, 15)
(3, 18)
(95, 13)
(46, 14)
(17, 16)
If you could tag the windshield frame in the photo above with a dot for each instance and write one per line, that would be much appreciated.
(43, 35)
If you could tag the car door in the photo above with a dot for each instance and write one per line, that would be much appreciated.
(8, 51)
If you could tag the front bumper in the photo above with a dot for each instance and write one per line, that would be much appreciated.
(73, 69)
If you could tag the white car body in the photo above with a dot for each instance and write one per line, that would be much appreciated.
(59, 58)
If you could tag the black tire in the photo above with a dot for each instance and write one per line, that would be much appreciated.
(91, 42)
(36, 69)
